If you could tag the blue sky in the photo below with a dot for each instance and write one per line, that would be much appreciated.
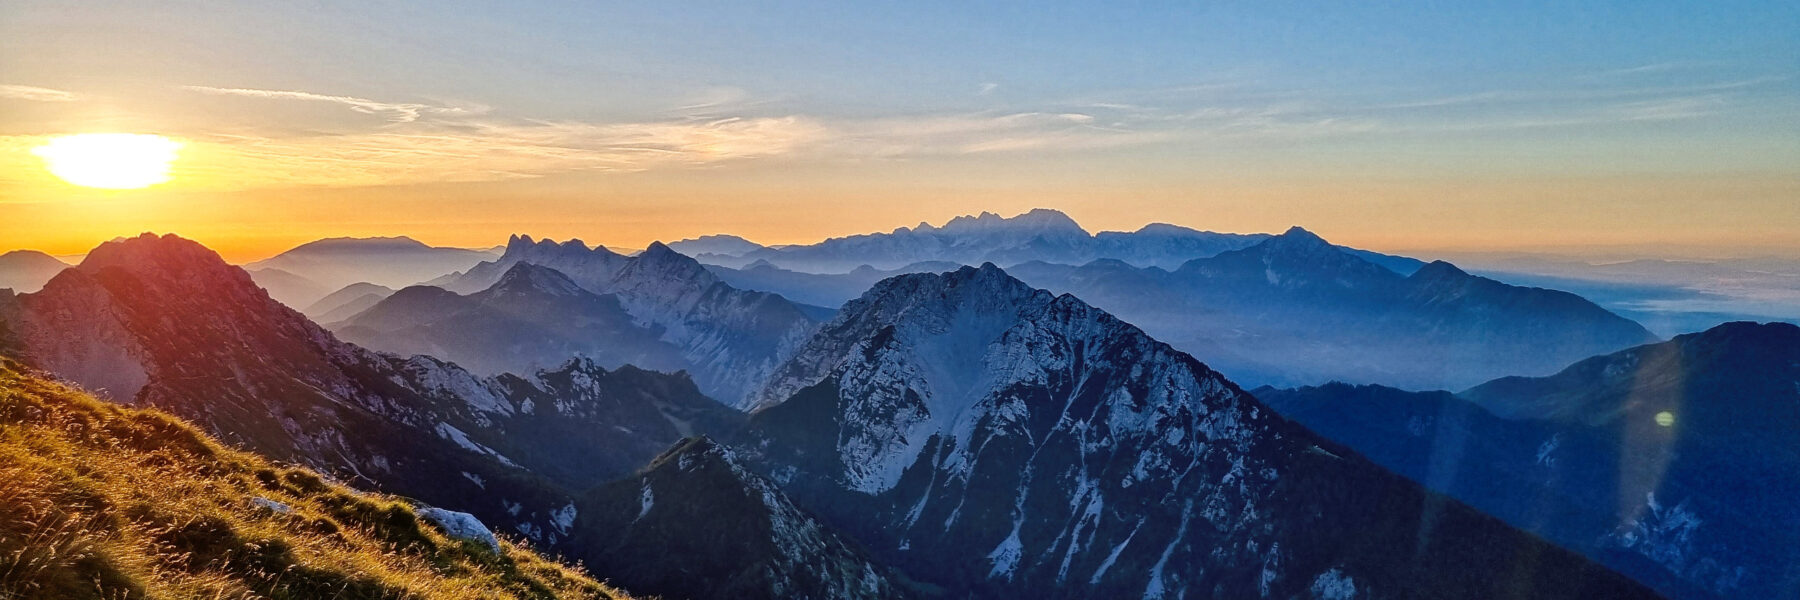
(1158, 106)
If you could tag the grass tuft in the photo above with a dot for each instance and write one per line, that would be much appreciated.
(106, 502)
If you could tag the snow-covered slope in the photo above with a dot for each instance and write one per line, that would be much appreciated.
(998, 439)
(1040, 234)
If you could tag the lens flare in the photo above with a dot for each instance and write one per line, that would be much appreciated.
(114, 161)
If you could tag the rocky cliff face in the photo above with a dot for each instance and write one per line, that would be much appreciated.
(728, 532)
(999, 438)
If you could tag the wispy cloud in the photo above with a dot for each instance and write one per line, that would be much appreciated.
(36, 94)
(494, 150)
(397, 112)
(424, 142)
(448, 141)
(717, 100)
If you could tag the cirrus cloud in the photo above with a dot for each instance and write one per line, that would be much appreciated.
(35, 94)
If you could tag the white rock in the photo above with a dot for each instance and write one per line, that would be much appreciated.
(461, 525)
(273, 506)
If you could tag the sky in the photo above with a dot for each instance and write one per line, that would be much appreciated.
(1670, 127)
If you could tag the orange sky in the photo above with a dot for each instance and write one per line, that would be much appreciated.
(1672, 129)
(776, 203)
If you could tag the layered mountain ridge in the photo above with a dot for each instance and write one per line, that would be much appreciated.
(163, 322)
(393, 262)
(728, 339)
(1002, 438)
(532, 318)
(1039, 234)
(981, 436)
(1295, 309)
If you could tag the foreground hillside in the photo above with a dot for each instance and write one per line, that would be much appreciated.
(101, 501)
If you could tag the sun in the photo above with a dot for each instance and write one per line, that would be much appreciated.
(114, 161)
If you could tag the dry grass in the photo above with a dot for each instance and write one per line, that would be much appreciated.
(102, 501)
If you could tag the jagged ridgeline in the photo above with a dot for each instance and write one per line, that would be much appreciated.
(103, 501)
(947, 435)
(1007, 442)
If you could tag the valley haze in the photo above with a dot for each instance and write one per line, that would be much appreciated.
(553, 300)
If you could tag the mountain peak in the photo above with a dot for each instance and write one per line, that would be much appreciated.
(718, 243)
(1300, 234)
(523, 248)
(353, 244)
(1771, 334)
(665, 258)
(528, 278)
(987, 279)
(698, 447)
(1046, 215)
(1037, 219)
(1438, 269)
(30, 255)
(151, 253)
(1297, 240)
(1165, 229)
(660, 263)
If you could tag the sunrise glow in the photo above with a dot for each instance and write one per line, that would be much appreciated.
(117, 161)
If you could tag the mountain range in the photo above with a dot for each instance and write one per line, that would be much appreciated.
(345, 302)
(163, 322)
(330, 264)
(1668, 462)
(1040, 234)
(1007, 441)
(728, 339)
(956, 433)
(532, 318)
(1294, 309)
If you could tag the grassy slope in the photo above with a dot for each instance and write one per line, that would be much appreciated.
(103, 501)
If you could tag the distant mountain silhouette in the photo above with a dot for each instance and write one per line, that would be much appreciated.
(25, 271)
(393, 262)
(533, 318)
(346, 302)
(1295, 309)
(290, 289)
(1040, 234)
(722, 245)
(828, 290)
